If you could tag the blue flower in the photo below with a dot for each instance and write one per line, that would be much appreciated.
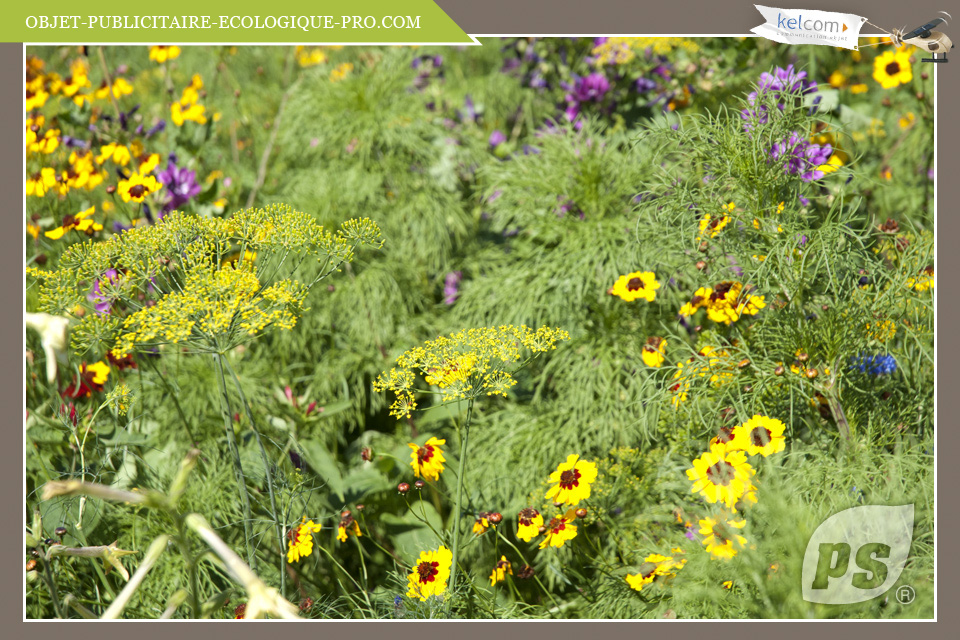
(875, 365)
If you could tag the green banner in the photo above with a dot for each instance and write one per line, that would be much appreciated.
(243, 21)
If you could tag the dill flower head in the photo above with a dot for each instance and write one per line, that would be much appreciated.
(300, 541)
(466, 364)
(721, 475)
(427, 461)
(559, 530)
(430, 574)
(573, 479)
(720, 536)
(169, 283)
(759, 435)
(636, 285)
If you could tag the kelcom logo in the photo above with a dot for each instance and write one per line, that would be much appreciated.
(857, 554)
(799, 24)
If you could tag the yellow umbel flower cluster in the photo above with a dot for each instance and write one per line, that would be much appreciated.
(174, 280)
(623, 50)
(466, 364)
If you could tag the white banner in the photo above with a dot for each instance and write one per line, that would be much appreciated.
(805, 26)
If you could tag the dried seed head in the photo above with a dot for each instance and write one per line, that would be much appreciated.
(359, 507)
(366, 454)
(60, 531)
(31, 565)
(526, 573)
(744, 363)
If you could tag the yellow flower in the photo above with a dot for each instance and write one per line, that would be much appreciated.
(162, 53)
(180, 113)
(727, 584)
(759, 435)
(573, 479)
(80, 222)
(559, 530)
(907, 120)
(859, 88)
(636, 285)
(427, 461)
(481, 525)
(430, 574)
(832, 164)
(310, 57)
(529, 522)
(300, 543)
(146, 163)
(653, 352)
(654, 565)
(892, 68)
(700, 299)
(922, 282)
(348, 526)
(500, 571)
(137, 187)
(837, 79)
(119, 153)
(721, 475)
(341, 72)
(41, 182)
(100, 370)
(720, 536)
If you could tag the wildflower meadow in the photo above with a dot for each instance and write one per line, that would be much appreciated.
(544, 328)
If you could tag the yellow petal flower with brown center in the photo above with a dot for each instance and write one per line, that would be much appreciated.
(573, 479)
(427, 461)
(636, 285)
(430, 574)
(721, 475)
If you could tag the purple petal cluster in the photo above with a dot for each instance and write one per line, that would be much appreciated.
(180, 182)
(802, 157)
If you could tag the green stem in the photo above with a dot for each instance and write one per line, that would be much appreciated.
(456, 508)
(266, 469)
(173, 396)
(237, 466)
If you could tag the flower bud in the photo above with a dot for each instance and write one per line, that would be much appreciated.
(366, 454)
(345, 514)
(779, 370)
(526, 573)
(701, 265)
(111, 189)
(403, 487)
(31, 565)
(581, 513)
(542, 529)
(495, 518)
(60, 531)
(812, 373)
(744, 363)
(419, 484)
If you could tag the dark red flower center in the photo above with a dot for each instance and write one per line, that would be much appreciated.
(527, 515)
(427, 571)
(424, 454)
(721, 473)
(760, 437)
(138, 191)
(634, 283)
(892, 68)
(294, 534)
(725, 435)
(569, 479)
(557, 525)
(69, 220)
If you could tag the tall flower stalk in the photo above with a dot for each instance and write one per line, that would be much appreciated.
(206, 285)
(466, 365)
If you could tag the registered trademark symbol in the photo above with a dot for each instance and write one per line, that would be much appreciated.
(905, 594)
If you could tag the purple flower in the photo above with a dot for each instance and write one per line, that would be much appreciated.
(181, 184)
(802, 157)
(497, 138)
(590, 89)
(781, 81)
(470, 113)
(644, 85)
(157, 128)
(450, 289)
(102, 303)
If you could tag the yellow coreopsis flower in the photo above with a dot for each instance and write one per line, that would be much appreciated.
(892, 68)
(118, 153)
(80, 222)
(636, 285)
(162, 53)
(720, 536)
(721, 475)
(427, 461)
(653, 352)
(301, 541)
(759, 435)
(501, 570)
(654, 565)
(573, 479)
(348, 526)
(529, 522)
(430, 574)
(137, 187)
(39, 183)
(559, 530)
(341, 72)
(481, 524)
(180, 113)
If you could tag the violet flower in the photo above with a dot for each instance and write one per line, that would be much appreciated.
(450, 289)
(802, 157)
(181, 184)
(497, 138)
(102, 303)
